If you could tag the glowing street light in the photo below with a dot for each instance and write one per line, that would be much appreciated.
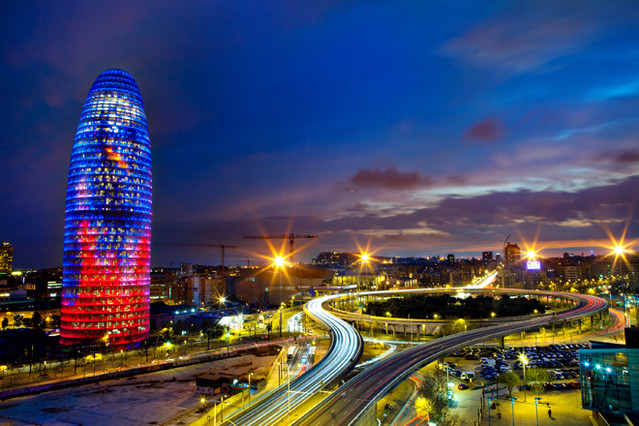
(619, 250)
(524, 361)
(531, 254)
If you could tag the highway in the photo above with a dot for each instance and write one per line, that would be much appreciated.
(343, 354)
(349, 403)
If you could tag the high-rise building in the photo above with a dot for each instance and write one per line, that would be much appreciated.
(6, 257)
(107, 238)
(512, 254)
(486, 256)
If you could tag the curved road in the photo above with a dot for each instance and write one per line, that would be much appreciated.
(345, 350)
(351, 401)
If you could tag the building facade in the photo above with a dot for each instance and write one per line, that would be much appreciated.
(6, 257)
(512, 254)
(609, 376)
(107, 252)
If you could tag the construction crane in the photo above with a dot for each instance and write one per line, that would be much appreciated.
(290, 237)
(222, 246)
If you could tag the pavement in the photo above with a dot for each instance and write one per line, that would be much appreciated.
(152, 398)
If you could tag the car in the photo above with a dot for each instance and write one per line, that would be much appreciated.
(463, 386)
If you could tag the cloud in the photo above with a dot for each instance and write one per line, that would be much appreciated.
(628, 156)
(521, 39)
(561, 219)
(389, 177)
(488, 130)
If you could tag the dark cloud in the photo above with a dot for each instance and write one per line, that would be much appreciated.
(488, 130)
(473, 222)
(629, 156)
(389, 178)
(456, 179)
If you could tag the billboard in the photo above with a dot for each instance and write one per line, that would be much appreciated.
(533, 265)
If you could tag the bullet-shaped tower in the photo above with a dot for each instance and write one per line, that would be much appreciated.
(107, 232)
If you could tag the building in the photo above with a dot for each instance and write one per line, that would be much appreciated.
(609, 376)
(486, 256)
(271, 286)
(512, 254)
(107, 250)
(6, 257)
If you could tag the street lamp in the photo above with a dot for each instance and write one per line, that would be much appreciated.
(282, 305)
(512, 407)
(524, 361)
(288, 393)
(537, 399)
(249, 387)
(280, 262)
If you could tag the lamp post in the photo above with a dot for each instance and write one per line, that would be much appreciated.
(249, 387)
(288, 393)
(512, 408)
(281, 309)
(537, 399)
(524, 361)
(215, 404)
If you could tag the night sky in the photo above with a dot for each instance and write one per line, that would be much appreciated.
(420, 129)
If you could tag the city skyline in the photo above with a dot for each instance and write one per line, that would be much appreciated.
(419, 130)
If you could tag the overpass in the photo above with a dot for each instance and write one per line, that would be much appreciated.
(342, 305)
(355, 402)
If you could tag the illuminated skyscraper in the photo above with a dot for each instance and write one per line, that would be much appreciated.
(6, 257)
(105, 286)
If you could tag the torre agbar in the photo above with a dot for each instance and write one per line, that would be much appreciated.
(107, 232)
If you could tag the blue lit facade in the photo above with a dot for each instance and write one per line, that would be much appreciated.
(609, 376)
(107, 252)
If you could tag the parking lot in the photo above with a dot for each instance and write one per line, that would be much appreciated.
(471, 397)
(484, 364)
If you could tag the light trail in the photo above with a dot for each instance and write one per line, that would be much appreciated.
(344, 352)
(484, 281)
(360, 394)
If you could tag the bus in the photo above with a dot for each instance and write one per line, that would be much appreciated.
(291, 353)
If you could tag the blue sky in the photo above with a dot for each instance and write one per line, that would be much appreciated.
(419, 128)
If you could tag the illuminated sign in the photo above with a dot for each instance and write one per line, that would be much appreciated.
(533, 265)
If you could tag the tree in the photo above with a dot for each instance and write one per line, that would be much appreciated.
(423, 407)
(510, 380)
(537, 377)
(269, 327)
(17, 320)
(36, 320)
(5, 323)
(55, 321)
(434, 389)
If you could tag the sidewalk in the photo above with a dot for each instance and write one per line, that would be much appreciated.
(565, 406)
